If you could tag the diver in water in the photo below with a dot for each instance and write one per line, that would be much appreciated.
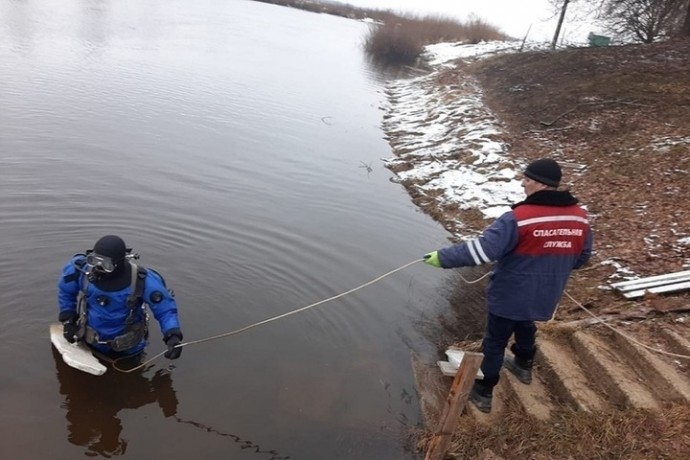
(102, 296)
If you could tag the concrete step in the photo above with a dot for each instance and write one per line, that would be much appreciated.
(534, 398)
(606, 369)
(497, 407)
(591, 371)
(569, 382)
(663, 379)
(677, 343)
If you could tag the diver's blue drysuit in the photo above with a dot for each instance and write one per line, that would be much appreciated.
(108, 318)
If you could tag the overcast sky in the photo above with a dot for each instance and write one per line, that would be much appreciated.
(513, 17)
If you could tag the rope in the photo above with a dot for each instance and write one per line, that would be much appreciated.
(375, 280)
(475, 281)
(274, 318)
(656, 350)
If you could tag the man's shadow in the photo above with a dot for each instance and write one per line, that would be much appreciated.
(93, 402)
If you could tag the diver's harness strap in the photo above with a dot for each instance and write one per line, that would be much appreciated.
(134, 332)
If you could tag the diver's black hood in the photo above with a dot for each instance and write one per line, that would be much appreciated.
(114, 247)
(111, 246)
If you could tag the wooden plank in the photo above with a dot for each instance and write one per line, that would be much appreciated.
(643, 286)
(657, 290)
(456, 400)
(658, 280)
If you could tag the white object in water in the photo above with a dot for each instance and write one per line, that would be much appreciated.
(76, 355)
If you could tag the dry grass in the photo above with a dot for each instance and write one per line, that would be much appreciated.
(394, 43)
(629, 434)
(401, 40)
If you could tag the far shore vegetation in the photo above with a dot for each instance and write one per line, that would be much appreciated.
(400, 40)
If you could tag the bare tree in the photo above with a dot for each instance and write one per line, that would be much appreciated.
(685, 28)
(564, 8)
(643, 20)
(577, 11)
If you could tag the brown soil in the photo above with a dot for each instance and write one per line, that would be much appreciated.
(618, 119)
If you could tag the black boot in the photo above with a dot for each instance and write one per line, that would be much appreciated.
(481, 396)
(520, 365)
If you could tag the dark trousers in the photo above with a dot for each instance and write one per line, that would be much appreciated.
(498, 332)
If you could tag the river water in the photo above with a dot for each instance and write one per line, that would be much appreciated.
(236, 147)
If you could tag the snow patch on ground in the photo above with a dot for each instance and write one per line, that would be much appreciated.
(458, 157)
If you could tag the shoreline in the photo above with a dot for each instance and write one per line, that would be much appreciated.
(460, 161)
(617, 122)
(451, 152)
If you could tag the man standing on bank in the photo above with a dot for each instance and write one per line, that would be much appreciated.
(536, 245)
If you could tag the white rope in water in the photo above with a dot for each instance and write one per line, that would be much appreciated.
(274, 318)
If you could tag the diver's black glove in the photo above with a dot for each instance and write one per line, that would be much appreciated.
(70, 329)
(171, 339)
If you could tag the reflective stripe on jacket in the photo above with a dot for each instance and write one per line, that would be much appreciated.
(535, 246)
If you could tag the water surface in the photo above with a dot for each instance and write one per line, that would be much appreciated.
(236, 147)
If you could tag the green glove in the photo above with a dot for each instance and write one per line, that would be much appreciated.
(432, 259)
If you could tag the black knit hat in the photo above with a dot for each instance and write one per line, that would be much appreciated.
(545, 171)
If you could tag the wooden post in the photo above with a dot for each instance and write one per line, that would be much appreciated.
(455, 402)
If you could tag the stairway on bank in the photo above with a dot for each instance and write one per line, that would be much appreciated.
(594, 369)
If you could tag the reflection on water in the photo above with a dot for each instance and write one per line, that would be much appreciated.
(93, 403)
(383, 72)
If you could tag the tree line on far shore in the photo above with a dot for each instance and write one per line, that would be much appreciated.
(394, 39)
